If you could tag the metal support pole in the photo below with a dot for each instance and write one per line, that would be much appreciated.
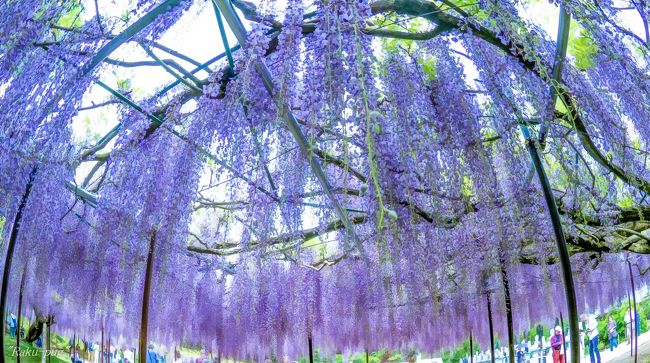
(471, 348)
(145, 299)
(563, 251)
(15, 229)
(636, 316)
(489, 309)
(506, 293)
(20, 308)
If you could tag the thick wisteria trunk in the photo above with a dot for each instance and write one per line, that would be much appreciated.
(20, 309)
(15, 228)
(636, 320)
(311, 350)
(366, 355)
(471, 348)
(101, 348)
(511, 329)
(142, 346)
(563, 251)
(489, 311)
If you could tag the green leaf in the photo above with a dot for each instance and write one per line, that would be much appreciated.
(71, 18)
(429, 67)
(582, 47)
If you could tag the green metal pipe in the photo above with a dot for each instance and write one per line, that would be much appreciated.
(224, 38)
(564, 25)
(560, 239)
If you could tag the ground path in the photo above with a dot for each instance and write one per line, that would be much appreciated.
(622, 353)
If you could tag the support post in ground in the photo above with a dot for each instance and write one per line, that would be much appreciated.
(489, 310)
(142, 345)
(506, 293)
(560, 239)
(50, 321)
(471, 348)
(11, 245)
(563, 336)
(636, 320)
(20, 308)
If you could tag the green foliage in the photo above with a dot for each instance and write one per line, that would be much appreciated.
(392, 45)
(70, 18)
(124, 85)
(126, 16)
(429, 68)
(460, 352)
(581, 46)
(626, 202)
(533, 332)
(34, 355)
(618, 313)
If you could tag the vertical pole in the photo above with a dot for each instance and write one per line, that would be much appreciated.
(15, 228)
(142, 346)
(471, 348)
(506, 292)
(102, 351)
(563, 251)
(489, 309)
(20, 308)
(311, 351)
(45, 352)
(631, 337)
(636, 317)
(50, 321)
(564, 338)
(367, 355)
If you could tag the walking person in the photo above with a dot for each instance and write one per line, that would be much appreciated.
(522, 350)
(557, 342)
(629, 322)
(541, 357)
(11, 322)
(592, 335)
(612, 333)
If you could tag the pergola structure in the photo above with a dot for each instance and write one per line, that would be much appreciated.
(348, 171)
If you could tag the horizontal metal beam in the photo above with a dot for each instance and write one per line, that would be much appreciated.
(86, 196)
(127, 34)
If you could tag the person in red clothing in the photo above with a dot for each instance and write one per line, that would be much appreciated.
(557, 342)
